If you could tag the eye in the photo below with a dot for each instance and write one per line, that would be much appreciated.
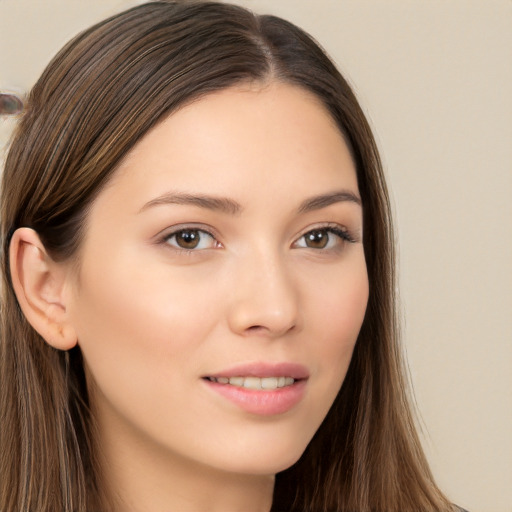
(323, 238)
(191, 239)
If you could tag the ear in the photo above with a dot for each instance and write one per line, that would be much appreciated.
(40, 284)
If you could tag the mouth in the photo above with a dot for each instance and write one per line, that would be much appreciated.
(255, 383)
(264, 389)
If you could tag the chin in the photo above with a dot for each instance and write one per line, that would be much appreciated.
(265, 461)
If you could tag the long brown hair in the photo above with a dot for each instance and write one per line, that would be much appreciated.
(97, 98)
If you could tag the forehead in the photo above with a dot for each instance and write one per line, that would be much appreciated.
(239, 141)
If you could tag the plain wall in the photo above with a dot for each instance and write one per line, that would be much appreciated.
(435, 79)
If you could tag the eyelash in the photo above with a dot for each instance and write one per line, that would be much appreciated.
(166, 239)
(341, 233)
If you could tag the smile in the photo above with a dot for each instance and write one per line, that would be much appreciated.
(257, 383)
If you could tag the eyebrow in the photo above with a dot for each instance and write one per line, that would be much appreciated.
(230, 206)
(222, 204)
(324, 200)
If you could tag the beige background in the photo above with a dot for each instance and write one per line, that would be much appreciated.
(436, 81)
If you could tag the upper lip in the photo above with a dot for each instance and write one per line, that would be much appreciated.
(262, 369)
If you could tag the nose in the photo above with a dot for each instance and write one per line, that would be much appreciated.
(265, 300)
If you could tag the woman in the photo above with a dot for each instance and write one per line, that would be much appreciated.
(198, 308)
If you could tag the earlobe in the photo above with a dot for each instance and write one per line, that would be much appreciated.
(39, 284)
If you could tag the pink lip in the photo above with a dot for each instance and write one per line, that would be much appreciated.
(296, 371)
(268, 402)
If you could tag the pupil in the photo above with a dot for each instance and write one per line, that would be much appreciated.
(317, 239)
(188, 239)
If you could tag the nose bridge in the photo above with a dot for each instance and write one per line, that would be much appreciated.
(265, 299)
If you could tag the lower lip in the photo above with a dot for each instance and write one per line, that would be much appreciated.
(263, 403)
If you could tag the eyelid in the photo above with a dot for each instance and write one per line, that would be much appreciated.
(169, 232)
(342, 232)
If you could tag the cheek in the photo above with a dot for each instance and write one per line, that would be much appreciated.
(340, 305)
(338, 313)
(128, 302)
(137, 328)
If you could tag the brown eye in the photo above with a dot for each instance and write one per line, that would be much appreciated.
(324, 238)
(189, 239)
(317, 239)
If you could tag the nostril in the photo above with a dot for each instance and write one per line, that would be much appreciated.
(256, 328)
(272, 330)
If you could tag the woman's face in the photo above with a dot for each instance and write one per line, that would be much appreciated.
(225, 252)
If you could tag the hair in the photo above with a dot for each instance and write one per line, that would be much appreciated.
(97, 98)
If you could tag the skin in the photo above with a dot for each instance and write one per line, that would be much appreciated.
(153, 319)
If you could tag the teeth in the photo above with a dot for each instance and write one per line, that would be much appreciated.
(252, 383)
(269, 383)
(236, 381)
(255, 382)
